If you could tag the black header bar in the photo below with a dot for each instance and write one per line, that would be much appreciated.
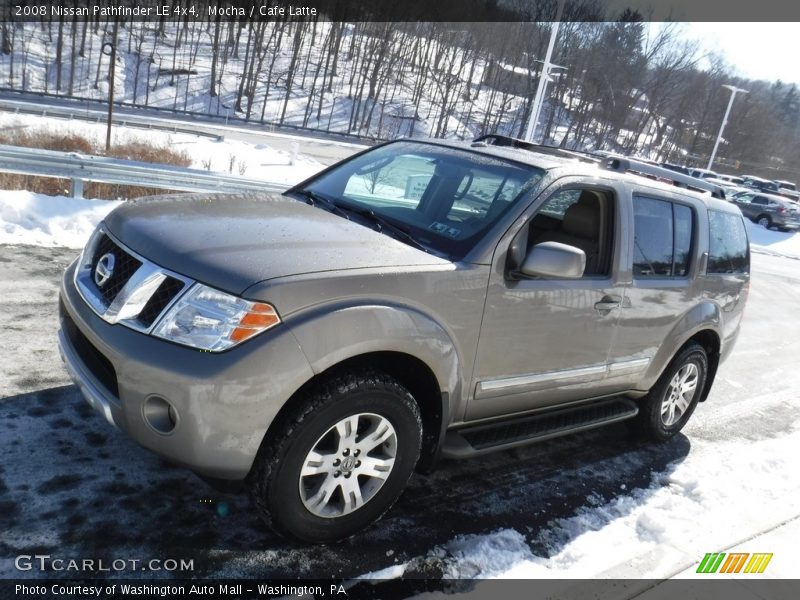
(401, 10)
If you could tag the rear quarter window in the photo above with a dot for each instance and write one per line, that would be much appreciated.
(728, 250)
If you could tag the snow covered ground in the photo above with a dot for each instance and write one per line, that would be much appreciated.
(38, 220)
(774, 242)
(719, 497)
(35, 219)
(248, 159)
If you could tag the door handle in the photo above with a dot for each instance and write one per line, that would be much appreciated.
(608, 303)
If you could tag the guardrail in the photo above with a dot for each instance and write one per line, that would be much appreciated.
(79, 168)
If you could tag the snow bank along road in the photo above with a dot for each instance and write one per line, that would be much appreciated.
(73, 487)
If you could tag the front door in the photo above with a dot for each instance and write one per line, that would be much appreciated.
(546, 341)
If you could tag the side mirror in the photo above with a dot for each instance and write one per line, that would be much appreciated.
(554, 259)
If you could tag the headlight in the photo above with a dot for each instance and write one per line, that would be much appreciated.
(208, 319)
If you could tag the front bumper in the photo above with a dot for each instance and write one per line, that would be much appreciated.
(223, 402)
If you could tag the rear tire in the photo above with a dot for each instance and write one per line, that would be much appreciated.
(340, 460)
(765, 221)
(666, 408)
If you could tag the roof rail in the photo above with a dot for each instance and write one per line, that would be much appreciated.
(494, 139)
(622, 164)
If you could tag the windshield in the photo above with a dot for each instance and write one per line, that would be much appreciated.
(443, 198)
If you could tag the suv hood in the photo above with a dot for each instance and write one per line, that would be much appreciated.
(232, 241)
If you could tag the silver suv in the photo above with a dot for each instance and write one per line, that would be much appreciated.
(418, 300)
(769, 210)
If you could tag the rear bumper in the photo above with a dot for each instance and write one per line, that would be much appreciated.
(223, 402)
(787, 223)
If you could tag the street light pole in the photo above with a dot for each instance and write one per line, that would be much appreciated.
(112, 69)
(734, 91)
(545, 75)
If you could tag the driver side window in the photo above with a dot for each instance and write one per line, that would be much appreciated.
(579, 217)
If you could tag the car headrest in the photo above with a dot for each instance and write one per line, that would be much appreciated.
(583, 218)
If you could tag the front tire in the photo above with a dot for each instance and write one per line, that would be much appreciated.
(341, 459)
(666, 408)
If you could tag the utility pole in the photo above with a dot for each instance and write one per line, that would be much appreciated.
(545, 75)
(734, 91)
(113, 54)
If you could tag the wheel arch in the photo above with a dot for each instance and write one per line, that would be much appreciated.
(701, 325)
(706, 337)
(710, 341)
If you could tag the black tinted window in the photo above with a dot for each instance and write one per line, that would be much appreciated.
(727, 245)
(662, 238)
(652, 254)
(683, 240)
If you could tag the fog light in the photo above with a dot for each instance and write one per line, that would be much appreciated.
(160, 414)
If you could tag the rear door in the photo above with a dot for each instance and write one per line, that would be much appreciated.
(666, 235)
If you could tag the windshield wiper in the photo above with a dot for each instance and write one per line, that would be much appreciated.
(315, 199)
(384, 224)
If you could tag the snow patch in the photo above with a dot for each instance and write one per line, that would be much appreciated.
(776, 243)
(486, 555)
(39, 220)
(392, 572)
(656, 532)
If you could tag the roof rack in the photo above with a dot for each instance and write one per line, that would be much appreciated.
(622, 164)
(494, 139)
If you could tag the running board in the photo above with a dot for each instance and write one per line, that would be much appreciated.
(510, 433)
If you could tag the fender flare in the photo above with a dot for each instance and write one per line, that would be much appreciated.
(328, 337)
(704, 316)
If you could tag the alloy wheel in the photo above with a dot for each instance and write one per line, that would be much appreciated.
(679, 394)
(347, 465)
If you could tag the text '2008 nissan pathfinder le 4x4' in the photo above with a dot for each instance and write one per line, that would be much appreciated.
(418, 300)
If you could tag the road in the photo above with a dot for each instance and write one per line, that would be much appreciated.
(325, 148)
(72, 486)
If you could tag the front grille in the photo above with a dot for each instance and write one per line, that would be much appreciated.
(136, 292)
(125, 266)
(168, 289)
(98, 365)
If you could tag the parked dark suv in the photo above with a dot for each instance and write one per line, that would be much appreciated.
(420, 299)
